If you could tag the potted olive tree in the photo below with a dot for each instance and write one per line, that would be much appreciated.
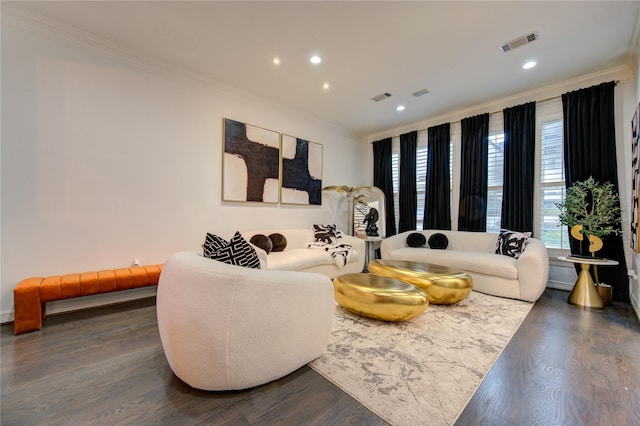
(592, 211)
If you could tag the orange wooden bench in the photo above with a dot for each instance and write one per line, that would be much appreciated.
(31, 294)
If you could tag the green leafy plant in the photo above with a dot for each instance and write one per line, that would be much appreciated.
(593, 205)
(354, 195)
(354, 192)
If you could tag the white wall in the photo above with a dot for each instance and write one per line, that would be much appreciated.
(107, 158)
(634, 284)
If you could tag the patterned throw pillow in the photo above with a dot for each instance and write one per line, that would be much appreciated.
(511, 243)
(236, 251)
(213, 243)
(326, 234)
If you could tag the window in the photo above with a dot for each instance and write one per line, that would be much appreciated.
(421, 176)
(421, 182)
(495, 181)
(552, 185)
(550, 188)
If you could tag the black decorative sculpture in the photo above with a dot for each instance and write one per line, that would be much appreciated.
(371, 219)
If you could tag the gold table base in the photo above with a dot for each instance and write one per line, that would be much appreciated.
(443, 285)
(584, 293)
(378, 297)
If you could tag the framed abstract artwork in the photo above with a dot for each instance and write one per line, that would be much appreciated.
(635, 178)
(301, 171)
(250, 163)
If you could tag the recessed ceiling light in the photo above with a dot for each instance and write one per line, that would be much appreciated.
(276, 61)
(315, 59)
(400, 108)
(325, 86)
(529, 65)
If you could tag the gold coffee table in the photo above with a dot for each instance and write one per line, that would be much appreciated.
(379, 297)
(443, 285)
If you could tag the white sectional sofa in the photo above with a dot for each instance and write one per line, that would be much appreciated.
(524, 278)
(297, 257)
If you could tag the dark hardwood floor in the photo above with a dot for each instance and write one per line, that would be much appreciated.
(564, 366)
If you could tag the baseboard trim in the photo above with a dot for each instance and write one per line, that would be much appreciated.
(88, 302)
(560, 285)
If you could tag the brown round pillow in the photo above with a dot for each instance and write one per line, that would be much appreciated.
(262, 241)
(438, 241)
(416, 239)
(279, 241)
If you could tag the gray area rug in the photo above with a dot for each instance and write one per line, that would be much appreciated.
(424, 371)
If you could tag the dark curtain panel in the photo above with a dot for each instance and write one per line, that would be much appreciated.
(407, 193)
(519, 163)
(437, 204)
(474, 173)
(590, 150)
(383, 179)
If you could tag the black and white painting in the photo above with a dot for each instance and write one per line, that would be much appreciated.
(301, 171)
(250, 164)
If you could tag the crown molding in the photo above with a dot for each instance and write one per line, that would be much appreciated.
(23, 19)
(16, 16)
(633, 56)
(621, 72)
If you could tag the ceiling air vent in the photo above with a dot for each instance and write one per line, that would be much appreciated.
(381, 97)
(420, 93)
(517, 42)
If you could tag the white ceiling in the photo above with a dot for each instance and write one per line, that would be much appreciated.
(368, 47)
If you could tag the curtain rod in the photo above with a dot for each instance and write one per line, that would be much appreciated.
(553, 98)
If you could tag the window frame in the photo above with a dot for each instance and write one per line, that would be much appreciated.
(546, 112)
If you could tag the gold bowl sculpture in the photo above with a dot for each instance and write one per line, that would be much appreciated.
(442, 284)
(379, 297)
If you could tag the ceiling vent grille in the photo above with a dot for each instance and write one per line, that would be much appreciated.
(517, 42)
(420, 93)
(381, 97)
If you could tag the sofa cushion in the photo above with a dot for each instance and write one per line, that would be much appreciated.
(511, 243)
(483, 263)
(236, 251)
(416, 239)
(296, 259)
(263, 242)
(278, 240)
(438, 241)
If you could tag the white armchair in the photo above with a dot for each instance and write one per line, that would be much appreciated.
(226, 327)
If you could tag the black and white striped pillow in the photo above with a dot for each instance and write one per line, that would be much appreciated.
(327, 234)
(511, 243)
(236, 251)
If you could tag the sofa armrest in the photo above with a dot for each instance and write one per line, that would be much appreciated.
(358, 245)
(533, 270)
(394, 242)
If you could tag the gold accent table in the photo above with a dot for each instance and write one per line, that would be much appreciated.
(443, 285)
(584, 293)
(378, 297)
